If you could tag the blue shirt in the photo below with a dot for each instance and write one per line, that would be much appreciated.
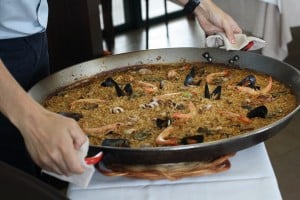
(19, 18)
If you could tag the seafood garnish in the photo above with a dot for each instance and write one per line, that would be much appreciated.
(119, 91)
(128, 89)
(215, 95)
(172, 74)
(145, 71)
(109, 82)
(161, 84)
(165, 96)
(116, 110)
(190, 115)
(73, 115)
(189, 79)
(162, 123)
(161, 139)
(235, 116)
(147, 86)
(216, 78)
(192, 139)
(86, 101)
(260, 111)
(205, 130)
(249, 81)
(103, 129)
(141, 135)
(252, 91)
(116, 143)
(152, 104)
(206, 91)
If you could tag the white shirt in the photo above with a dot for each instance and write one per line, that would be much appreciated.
(19, 18)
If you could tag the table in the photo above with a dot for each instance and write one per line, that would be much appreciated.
(270, 20)
(250, 177)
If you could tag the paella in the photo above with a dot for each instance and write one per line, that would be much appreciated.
(155, 105)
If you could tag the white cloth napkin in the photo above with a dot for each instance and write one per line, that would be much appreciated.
(220, 40)
(81, 180)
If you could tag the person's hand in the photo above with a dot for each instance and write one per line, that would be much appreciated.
(212, 19)
(52, 141)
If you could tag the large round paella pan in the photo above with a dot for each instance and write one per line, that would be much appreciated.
(79, 73)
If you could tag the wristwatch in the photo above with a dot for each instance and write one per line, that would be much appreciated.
(191, 5)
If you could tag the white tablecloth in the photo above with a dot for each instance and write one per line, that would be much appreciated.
(250, 177)
(270, 20)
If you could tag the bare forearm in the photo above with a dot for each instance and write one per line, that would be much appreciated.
(51, 139)
(15, 103)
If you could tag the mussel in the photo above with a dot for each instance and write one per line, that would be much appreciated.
(192, 139)
(73, 115)
(128, 89)
(163, 123)
(215, 95)
(116, 143)
(109, 82)
(249, 81)
(260, 111)
(189, 79)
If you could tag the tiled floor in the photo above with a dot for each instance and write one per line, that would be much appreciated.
(283, 148)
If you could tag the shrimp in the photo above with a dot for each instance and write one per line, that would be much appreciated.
(147, 86)
(252, 91)
(190, 115)
(235, 116)
(90, 101)
(214, 78)
(97, 131)
(165, 96)
(161, 138)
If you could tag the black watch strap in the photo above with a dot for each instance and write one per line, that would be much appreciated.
(191, 5)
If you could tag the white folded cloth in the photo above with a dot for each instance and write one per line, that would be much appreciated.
(220, 40)
(81, 180)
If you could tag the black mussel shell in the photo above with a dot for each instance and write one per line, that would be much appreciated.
(260, 111)
(73, 115)
(216, 94)
(109, 82)
(163, 123)
(192, 139)
(193, 72)
(188, 80)
(119, 91)
(128, 89)
(206, 91)
(248, 81)
(116, 143)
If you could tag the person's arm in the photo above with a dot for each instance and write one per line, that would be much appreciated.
(51, 139)
(213, 19)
